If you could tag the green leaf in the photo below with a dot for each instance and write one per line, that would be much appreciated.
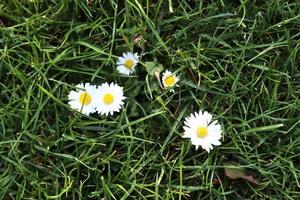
(233, 171)
(153, 67)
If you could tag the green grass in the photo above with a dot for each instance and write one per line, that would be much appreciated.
(236, 59)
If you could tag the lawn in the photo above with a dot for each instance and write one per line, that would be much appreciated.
(238, 60)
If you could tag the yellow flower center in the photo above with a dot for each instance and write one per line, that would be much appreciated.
(202, 132)
(108, 98)
(85, 99)
(170, 81)
(129, 63)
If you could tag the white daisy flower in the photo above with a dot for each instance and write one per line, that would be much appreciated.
(127, 63)
(169, 80)
(83, 98)
(202, 131)
(109, 98)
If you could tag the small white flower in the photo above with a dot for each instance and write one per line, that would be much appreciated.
(109, 98)
(202, 131)
(127, 63)
(83, 98)
(169, 80)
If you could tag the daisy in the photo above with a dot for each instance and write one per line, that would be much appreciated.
(202, 131)
(127, 63)
(83, 98)
(169, 80)
(109, 98)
